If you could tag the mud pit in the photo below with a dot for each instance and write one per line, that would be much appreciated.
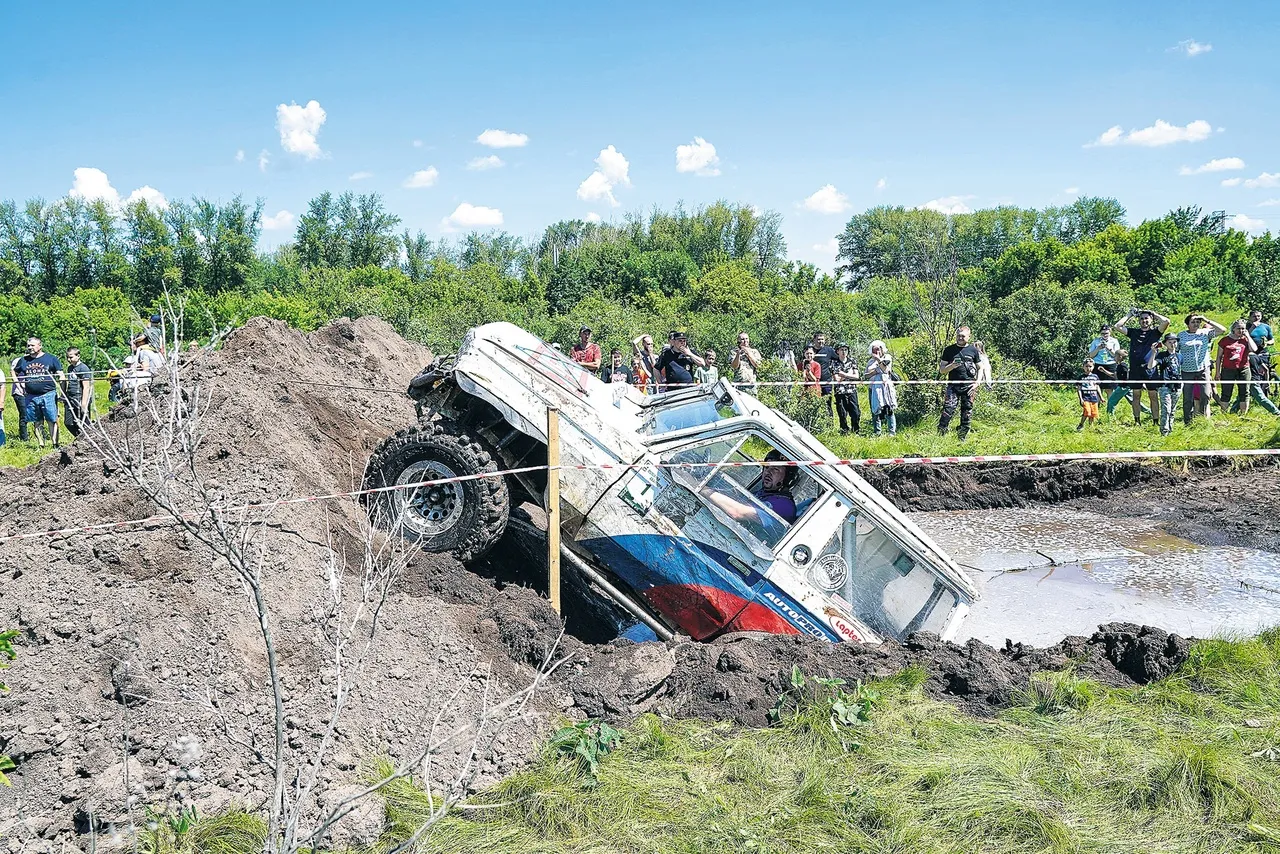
(132, 640)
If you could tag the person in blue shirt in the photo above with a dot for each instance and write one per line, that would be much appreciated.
(1260, 332)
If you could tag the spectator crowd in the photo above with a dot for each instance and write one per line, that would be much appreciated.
(1136, 359)
(52, 395)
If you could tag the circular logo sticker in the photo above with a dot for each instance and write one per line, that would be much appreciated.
(830, 572)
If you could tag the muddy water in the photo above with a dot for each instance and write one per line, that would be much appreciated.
(1049, 572)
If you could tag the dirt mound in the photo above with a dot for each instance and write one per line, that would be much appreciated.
(739, 677)
(131, 641)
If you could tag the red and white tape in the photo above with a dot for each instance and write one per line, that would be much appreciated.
(107, 527)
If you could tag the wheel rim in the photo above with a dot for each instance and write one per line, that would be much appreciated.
(429, 510)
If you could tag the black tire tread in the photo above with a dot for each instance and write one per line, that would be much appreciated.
(474, 453)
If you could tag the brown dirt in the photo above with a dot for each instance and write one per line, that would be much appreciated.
(134, 640)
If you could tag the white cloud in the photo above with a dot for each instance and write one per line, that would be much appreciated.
(1241, 222)
(612, 171)
(359, 176)
(423, 178)
(1269, 203)
(153, 197)
(1191, 47)
(1160, 133)
(503, 139)
(280, 221)
(468, 215)
(1266, 179)
(830, 247)
(1220, 164)
(479, 164)
(1231, 182)
(1072, 191)
(592, 216)
(827, 200)
(948, 205)
(93, 184)
(881, 184)
(240, 155)
(699, 157)
(264, 157)
(299, 127)
(417, 143)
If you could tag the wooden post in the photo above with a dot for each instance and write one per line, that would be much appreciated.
(553, 506)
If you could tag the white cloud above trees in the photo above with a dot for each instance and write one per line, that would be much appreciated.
(480, 164)
(1160, 133)
(92, 184)
(467, 215)
(503, 139)
(698, 157)
(948, 205)
(612, 170)
(827, 200)
(279, 221)
(1220, 164)
(1243, 222)
(423, 178)
(299, 126)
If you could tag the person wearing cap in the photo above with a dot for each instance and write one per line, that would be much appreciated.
(677, 362)
(845, 372)
(155, 333)
(1165, 368)
(586, 352)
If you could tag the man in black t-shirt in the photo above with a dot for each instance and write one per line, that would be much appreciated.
(77, 392)
(38, 373)
(677, 362)
(1142, 338)
(959, 367)
(616, 371)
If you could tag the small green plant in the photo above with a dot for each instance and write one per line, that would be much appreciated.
(7, 654)
(825, 699)
(585, 744)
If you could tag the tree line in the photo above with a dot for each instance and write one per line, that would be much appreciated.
(79, 272)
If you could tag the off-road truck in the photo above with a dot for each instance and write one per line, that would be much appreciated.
(660, 499)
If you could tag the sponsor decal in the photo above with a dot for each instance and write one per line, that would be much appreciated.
(830, 573)
(792, 613)
(842, 626)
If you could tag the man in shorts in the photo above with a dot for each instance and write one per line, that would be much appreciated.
(1142, 338)
(39, 372)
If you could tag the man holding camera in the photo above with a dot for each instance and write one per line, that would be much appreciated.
(745, 362)
(1195, 357)
(1142, 338)
(959, 367)
(677, 362)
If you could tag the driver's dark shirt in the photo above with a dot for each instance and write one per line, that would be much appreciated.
(783, 505)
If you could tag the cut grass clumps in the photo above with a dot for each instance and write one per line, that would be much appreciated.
(1074, 766)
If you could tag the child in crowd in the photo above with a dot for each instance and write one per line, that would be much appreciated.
(1090, 393)
(1165, 367)
(640, 374)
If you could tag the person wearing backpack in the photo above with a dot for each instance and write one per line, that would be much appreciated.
(959, 367)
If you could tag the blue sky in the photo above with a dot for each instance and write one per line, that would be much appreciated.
(958, 105)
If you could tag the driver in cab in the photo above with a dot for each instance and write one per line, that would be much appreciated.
(773, 491)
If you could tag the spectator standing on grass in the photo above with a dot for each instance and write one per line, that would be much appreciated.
(19, 399)
(845, 373)
(708, 374)
(1259, 331)
(155, 333)
(676, 363)
(616, 371)
(1232, 367)
(1142, 338)
(959, 367)
(586, 352)
(1195, 356)
(882, 393)
(1165, 368)
(77, 392)
(1260, 370)
(3, 386)
(810, 373)
(38, 372)
(643, 346)
(1089, 393)
(745, 363)
(1104, 352)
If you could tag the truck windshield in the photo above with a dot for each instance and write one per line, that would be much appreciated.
(886, 587)
(679, 415)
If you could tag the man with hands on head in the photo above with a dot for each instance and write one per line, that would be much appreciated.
(1142, 338)
(1195, 357)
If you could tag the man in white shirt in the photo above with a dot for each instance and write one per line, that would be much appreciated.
(1195, 355)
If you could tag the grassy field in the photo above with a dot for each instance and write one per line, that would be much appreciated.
(15, 453)
(1188, 764)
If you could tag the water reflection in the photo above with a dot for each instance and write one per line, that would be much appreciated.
(1048, 572)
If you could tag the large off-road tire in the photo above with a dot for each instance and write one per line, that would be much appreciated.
(462, 519)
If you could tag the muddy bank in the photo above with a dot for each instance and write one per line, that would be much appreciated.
(1211, 502)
